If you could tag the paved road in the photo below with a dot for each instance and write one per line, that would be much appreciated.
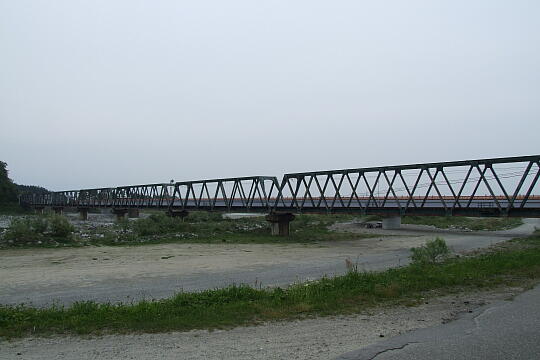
(314, 265)
(505, 330)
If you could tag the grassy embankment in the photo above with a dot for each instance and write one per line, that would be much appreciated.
(516, 263)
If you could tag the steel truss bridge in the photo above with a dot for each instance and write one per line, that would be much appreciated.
(486, 187)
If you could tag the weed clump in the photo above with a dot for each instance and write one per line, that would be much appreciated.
(432, 252)
(59, 227)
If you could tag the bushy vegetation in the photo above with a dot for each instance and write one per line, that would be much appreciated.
(197, 227)
(198, 223)
(208, 227)
(39, 229)
(432, 252)
(241, 305)
(59, 227)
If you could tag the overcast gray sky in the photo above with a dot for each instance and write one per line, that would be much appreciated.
(102, 93)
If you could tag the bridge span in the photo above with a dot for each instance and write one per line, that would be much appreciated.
(485, 187)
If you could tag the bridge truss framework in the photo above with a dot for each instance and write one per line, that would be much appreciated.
(486, 187)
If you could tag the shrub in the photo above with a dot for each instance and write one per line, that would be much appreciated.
(21, 230)
(34, 229)
(59, 226)
(432, 252)
(39, 224)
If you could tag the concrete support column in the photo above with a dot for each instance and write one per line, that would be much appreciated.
(59, 210)
(177, 213)
(39, 210)
(133, 213)
(280, 223)
(83, 213)
(391, 223)
(120, 213)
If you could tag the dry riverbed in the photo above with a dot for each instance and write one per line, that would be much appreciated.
(126, 273)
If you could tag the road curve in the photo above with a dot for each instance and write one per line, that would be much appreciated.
(504, 330)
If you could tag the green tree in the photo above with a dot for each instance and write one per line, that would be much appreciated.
(8, 191)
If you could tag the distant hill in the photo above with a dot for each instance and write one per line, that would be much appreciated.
(23, 189)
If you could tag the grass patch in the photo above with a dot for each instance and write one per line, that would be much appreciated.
(241, 305)
(432, 252)
(460, 222)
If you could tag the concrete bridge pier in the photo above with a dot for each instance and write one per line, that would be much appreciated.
(280, 223)
(120, 213)
(39, 210)
(59, 210)
(83, 213)
(391, 222)
(133, 213)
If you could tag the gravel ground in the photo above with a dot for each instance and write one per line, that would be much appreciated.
(319, 338)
